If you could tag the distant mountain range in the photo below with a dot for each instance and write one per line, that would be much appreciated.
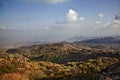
(104, 40)
(78, 38)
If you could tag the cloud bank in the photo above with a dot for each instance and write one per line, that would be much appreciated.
(113, 24)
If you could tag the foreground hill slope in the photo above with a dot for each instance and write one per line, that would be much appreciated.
(17, 67)
(60, 61)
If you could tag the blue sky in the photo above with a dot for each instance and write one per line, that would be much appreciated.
(51, 17)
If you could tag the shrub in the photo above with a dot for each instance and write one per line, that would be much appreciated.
(7, 69)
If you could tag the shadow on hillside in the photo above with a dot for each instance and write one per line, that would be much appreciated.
(73, 77)
(77, 57)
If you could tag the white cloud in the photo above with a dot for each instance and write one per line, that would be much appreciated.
(72, 16)
(99, 24)
(82, 18)
(116, 23)
(113, 24)
(100, 15)
(72, 20)
(107, 24)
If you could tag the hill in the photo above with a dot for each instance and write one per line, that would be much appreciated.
(63, 52)
(60, 61)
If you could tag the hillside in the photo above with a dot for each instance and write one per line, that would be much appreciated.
(63, 52)
(60, 61)
(49, 52)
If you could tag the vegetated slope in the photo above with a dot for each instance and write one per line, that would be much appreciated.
(49, 52)
(105, 40)
(77, 62)
(17, 67)
(63, 52)
(112, 71)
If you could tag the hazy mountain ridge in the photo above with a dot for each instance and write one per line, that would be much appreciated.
(78, 38)
(104, 40)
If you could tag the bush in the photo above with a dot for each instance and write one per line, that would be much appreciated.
(7, 69)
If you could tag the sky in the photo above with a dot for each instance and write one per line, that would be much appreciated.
(52, 20)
